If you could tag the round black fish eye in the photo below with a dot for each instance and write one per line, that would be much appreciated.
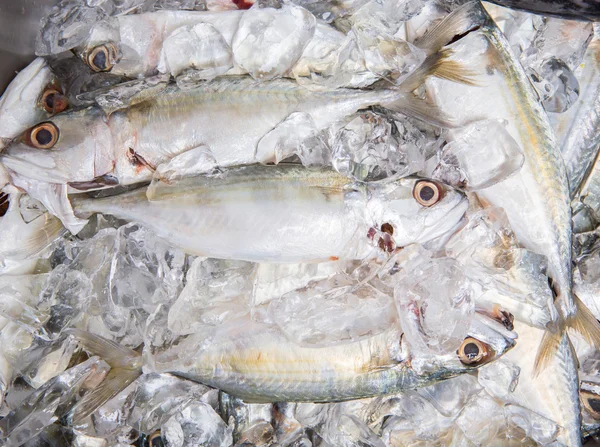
(472, 352)
(43, 136)
(427, 193)
(53, 101)
(4, 203)
(591, 403)
(101, 58)
(155, 440)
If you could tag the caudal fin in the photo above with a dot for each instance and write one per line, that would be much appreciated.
(126, 366)
(458, 22)
(583, 322)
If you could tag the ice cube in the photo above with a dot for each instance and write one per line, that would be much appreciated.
(51, 402)
(68, 25)
(481, 155)
(372, 146)
(535, 427)
(158, 397)
(555, 83)
(274, 280)
(499, 378)
(435, 306)
(197, 424)
(480, 420)
(386, 15)
(333, 310)
(215, 291)
(450, 396)
(269, 41)
(387, 56)
(296, 135)
(200, 47)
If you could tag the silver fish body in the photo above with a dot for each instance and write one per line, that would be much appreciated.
(566, 9)
(535, 199)
(282, 213)
(577, 128)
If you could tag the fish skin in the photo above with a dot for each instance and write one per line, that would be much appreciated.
(578, 127)
(19, 104)
(588, 10)
(554, 393)
(284, 213)
(535, 199)
(257, 363)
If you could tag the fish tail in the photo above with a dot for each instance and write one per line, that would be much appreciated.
(457, 23)
(441, 66)
(48, 233)
(583, 322)
(125, 364)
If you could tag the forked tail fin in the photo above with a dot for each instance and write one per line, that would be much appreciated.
(583, 322)
(126, 366)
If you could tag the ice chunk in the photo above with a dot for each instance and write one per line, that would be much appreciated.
(158, 397)
(386, 15)
(68, 25)
(51, 402)
(499, 378)
(435, 306)
(555, 83)
(387, 56)
(371, 146)
(197, 424)
(536, 427)
(52, 364)
(274, 280)
(296, 135)
(450, 396)
(216, 291)
(481, 155)
(331, 311)
(270, 41)
(200, 47)
(480, 420)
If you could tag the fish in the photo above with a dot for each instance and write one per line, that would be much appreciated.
(257, 363)
(536, 199)
(285, 213)
(554, 393)
(577, 128)
(588, 10)
(32, 96)
(26, 229)
(586, 205)
(226, 118)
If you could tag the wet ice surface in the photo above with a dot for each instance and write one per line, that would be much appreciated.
(122, 282)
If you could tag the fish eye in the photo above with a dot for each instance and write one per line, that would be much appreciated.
(101, 58)
(155, 440)
(4, 203)
(43, 136)
(53, 101)
(591, 402)
(427, 193)
(472, 352)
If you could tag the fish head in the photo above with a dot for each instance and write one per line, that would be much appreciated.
(487, 340)
(33, 95)
(73, 146)
(421, 210)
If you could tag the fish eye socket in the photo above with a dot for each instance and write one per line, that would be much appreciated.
(101, 58)
(4, 203)
(43, 136)
(53, 101)
(472, 352)
(591, 403)
(155, 440)
(427, 193)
